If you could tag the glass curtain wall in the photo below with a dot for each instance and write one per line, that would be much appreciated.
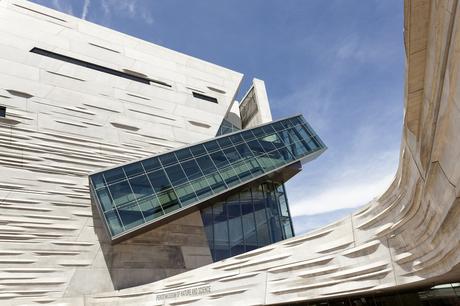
(226, 127)
(136, 194)
(253, 218)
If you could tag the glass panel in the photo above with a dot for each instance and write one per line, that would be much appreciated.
(206, 165)
(130, 215)
(219, 159)
(184, 154)
(221, 239)
(267, 142)
(236, 138)
(150, 208)
(242, 170)
(121, 193)
(244, 150)
(198, 150)
(113, 222)
(97, 180)
(186, 194)
(235, 225)
(215, 182)
(114, 175)
(263, 235)
(249, 222)
(232, 155)
(168, 201)
(176, 175)
(250, 241)
(224, 142)
(168, 159)
(141, 186)
(254, 166)
(256, 147)
(159, 180)
(248, 135)
(266, 162)
(133, 169)
(211, 146)
(104, 199)
(273, 213)
(207, 217)
(192, 170)
(201, 188)
(230, 177)
(151, 164)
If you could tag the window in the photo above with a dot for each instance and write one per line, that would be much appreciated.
(2, 111)
(137, 77)
(172, 180)
(204, 97)
(246, 220)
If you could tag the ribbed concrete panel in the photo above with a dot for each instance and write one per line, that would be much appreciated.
(64, 121)
(408, 237)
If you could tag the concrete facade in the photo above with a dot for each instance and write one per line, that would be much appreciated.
(409, 237)
(50, 249)
(64, 121)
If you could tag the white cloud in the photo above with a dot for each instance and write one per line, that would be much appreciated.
(147, 16)
(346, 195)
(86, 5)
(361, 50)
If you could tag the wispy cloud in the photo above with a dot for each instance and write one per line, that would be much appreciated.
(84, 12)
(356, 110)
(307, 223)
(127, 8)
(107, 10)
(63, 6)
(345, 195)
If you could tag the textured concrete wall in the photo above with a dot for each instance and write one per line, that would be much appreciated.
(408, 237)
(64, 121)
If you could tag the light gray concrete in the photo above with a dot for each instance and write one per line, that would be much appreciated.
(50, 250)
(64, 121)
(408, 237)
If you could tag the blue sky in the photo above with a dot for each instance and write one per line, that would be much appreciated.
(339, 63)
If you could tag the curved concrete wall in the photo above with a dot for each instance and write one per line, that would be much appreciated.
(408, 237)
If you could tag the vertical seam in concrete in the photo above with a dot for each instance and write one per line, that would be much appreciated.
(266, 285)
(392, 261)
(442, 78)
(353, 230)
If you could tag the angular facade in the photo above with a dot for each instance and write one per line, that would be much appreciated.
(124, 163)
(141, 194)
(402, 248)
(93, 123)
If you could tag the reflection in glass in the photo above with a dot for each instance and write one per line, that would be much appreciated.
(145, 190)
(246, 221)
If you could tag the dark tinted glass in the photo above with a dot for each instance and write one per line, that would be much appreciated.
(245, 221)
(144, 190)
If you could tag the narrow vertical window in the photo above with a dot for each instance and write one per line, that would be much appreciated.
(2, 111)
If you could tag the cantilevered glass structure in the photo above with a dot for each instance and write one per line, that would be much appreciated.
(136, 196)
